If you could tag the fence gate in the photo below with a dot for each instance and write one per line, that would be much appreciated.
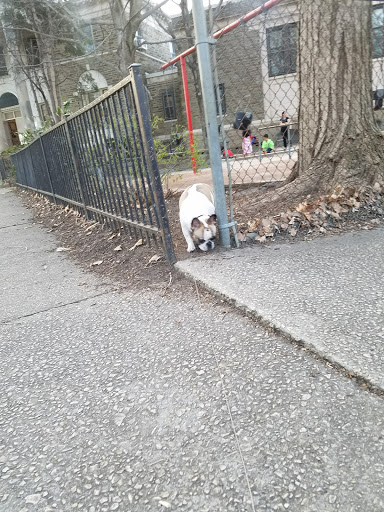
(102, 161)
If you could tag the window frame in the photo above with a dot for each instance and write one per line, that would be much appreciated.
(287, 67)
(139, 37)
(88, 47)
(3, 62)
(88, 96)
(32, 51)
(43, 112)
(172, 116)
(375, 30)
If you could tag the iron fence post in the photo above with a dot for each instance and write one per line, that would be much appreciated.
(3, 174)
(47, 169)
(289, 141)
(209, 102)
(72, 147)
(149, 147)
(222, 130)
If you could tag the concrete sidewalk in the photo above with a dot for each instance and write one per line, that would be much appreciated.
(327, 294)
(137, 402)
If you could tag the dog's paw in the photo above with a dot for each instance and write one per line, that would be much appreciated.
(191, 248)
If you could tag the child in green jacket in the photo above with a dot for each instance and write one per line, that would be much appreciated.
(268, 145)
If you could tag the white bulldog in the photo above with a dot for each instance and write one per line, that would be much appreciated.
(197, 217)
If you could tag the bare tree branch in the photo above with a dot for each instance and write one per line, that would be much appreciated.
(36, 32)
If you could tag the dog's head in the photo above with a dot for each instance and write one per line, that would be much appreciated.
(204, 231)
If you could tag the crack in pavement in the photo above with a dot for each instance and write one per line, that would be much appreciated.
(10, 320)
(15, 225)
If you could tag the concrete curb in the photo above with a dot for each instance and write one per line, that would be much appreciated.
(280, 330)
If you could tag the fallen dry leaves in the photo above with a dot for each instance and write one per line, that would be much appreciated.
(137, 244)
(96, 263)
(154, 259)
(316, 215)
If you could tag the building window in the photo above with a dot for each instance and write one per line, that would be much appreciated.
(139, 40)
(222, 100)
(8, 100)
(88, 41)
(169, 105)
(378, 32)
(172, 49)
(32, 51)
(3, 64)
(43, 111)
(282, 49)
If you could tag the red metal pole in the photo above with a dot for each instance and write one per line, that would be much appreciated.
(188, 110)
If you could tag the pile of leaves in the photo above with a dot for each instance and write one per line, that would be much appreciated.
(345, 207)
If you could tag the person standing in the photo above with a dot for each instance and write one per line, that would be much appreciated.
(284, 123)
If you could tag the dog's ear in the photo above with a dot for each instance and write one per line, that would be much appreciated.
(212, 219)
(195, 223)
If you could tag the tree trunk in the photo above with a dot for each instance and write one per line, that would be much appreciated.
(47, 68)
(126, 24)
(339, 143)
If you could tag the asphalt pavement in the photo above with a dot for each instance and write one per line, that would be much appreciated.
(137, 402)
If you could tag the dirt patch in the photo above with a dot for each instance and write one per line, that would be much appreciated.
(93, 247)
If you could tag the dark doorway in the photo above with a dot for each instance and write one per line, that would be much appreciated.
(12, 126)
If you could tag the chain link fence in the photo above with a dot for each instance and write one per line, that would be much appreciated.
(255, 71)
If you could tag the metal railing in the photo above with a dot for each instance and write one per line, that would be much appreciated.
(102, 161)
(4, 168)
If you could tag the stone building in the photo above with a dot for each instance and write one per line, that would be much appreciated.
(80, 79)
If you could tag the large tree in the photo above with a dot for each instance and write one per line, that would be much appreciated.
(126, 18)
(340, 144)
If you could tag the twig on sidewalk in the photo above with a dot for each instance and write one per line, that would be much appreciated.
(168, 285)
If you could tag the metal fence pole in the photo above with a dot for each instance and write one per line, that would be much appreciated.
(289, 141)
(47, 169)
(72, 148)
(206, 78)
(3, 173)
(224, 138)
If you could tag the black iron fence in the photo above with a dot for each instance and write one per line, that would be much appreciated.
(5, 168)
(102, 161)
